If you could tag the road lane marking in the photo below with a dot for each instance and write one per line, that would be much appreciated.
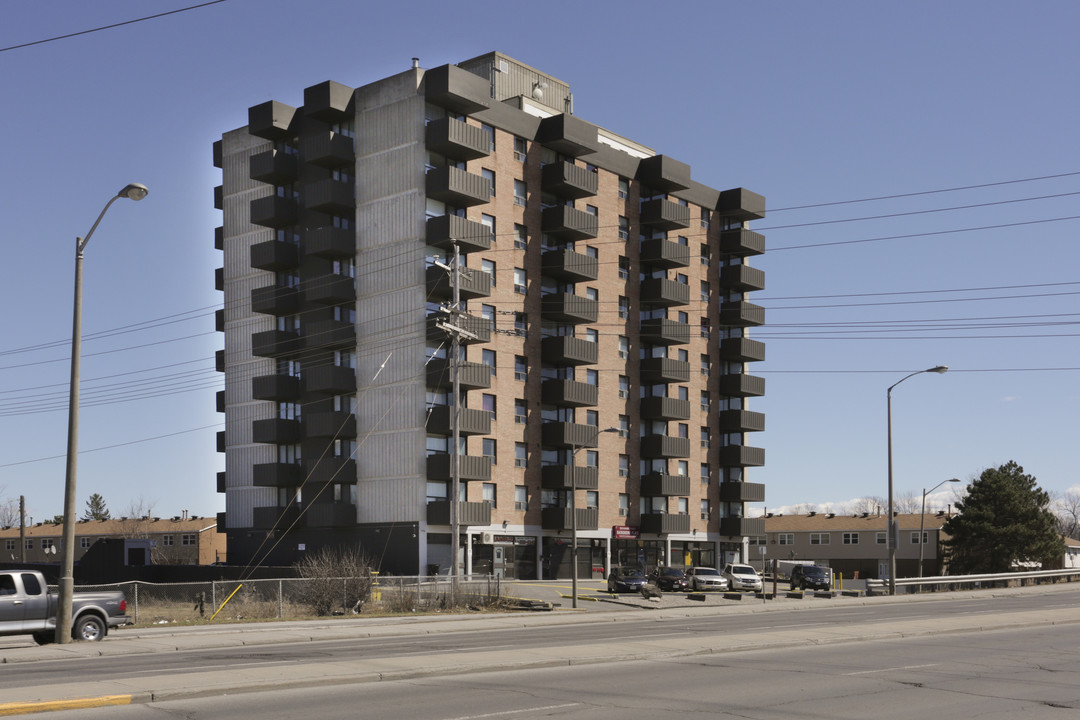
(892, 669)
(514, 712)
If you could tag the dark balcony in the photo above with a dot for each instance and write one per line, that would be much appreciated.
(274, 255)
(567, 180)
(331, 470)
(568, 393)
(276, 518)
(471, 236)
(329, 424)
(741, 204)
(665, 408)
(741, 456)
(219, 360)
(742, 278)
(219, 197)
(557, 477)
(742, 385)
(458, 187)
(275, 431)
(557, 518)
(742, 492)
(457, 139)
(734, 421)
(665, 446)
(273, 167)
(275, 343)
(332, 197)
(568, 135)
(568, 435)
(274, 300)
(742, 350)
(569, 223)
(330, 290)
(663, 173)
(329, 149)
(662, 484)
(569, 309)
(564, 350)
(330, 242)
(219, 320)
(219, 401)
(741, 314)
(329, 334)
(275, 387)
(661, 292)
(273, 211)
(330, 515)
(569, 265)
(479, 328)
(472, 284)
(664, 523)
(222, 444)
(661, 253)
(276, 475)
(665, 215)
(741, 243)
(329, 380)
(222, 483)
(471, 375)
(471, 468)
(662, 331)
(468, 513)
(328, 101)
(664, 370)
(470, 421)
(271, 120)
(461, 91)
(742, 527)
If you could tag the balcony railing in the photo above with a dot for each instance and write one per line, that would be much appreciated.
(569, 223)
(472, 284)
(275, 387)
(273, 167)
(471, 375)
(569, 308)
(273, 211)
(470, 467)
(665, 523)
(458, 187)
(568, 180)
(470, 421)
(661, 292)
(468, 513)
(738, 349)
(274, 255)
(741, 456)
(329, 380)
(665, 446)
(330, 290)
(741, 421)
(274, 300)
(275, 431)
(665, 215)
(330, 242)
(742, 527)
(742, 278)
(329, 149)
(661, 253)
(330, 424)
(741, 314)
(742, 492)
(457, 139)
(665, 408)
(471, 236)
(563, 350)
(741, 243)
(742, 385)
(664, 370)
(569, 265)
(557, 518)
(665, 485)
(557, 477)
(568, 393)
(662, 331)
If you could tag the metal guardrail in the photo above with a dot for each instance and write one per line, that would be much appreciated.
(957, 582)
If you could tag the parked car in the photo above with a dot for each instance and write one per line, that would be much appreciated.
(670, 579)
(810, 576)
(742, 577)
(28, 608)
(706, 578)
(622, 579)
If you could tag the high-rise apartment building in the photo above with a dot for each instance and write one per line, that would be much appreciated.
(599, 338)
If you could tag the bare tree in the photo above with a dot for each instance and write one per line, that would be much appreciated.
(135, 524)
(336, 580)
(871, 504)
(908, 502)
(9, 512)
(1066, 509)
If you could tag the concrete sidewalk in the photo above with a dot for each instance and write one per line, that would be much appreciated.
(289, 675)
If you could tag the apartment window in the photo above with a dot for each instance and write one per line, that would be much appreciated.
(705, 473)
(785, 538)
(491, 135)
(488, 221)
(704, 401)
(705, 255)
(819, 538)
(915, 537)
(487, 312)
(592, 293)
(29, 544)
(520, 236)
(188, 539)
(592, 210)
(487, 357)
(705, 365)
(879, 539)
(624, 307)
(705, 328)
(519, 281)
(624, 426)
(521, 497)
(705, 438)
(851, 538)
(624, 386)
(624, 267)
(624, 504)
(592, 335)
(488, 494)
(521, 411)
(490, 175)
(10, 544)
(288, 411)
(705, 218)
(592, 377)
(521, 367)
(683, 468)
(48, 543)
(489, 449)
(683, 430)
(521, 149)
(624, 347)
(624, 228)
(624, 465)
(167, 540)
(520, 192)
(592, 417)
(520, 454)
(705, 510)
(704, 291)
(624, 188)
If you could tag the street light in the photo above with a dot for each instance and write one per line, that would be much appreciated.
(573, 515)
(890, 525)
(922, 520)
(132, 191)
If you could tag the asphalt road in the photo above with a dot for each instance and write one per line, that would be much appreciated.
(183, 664)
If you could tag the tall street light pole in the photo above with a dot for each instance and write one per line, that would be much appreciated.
(133, 191)
(922, 520)
(573, 515)
(891, 523)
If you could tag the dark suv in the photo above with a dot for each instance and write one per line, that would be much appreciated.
(810, 576)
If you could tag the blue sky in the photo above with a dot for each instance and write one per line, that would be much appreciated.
(806, 103)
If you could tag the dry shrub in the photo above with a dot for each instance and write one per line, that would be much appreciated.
(336, 580)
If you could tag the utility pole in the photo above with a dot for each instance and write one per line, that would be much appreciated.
(22, 529)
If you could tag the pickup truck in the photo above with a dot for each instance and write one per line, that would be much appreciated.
(27, 607)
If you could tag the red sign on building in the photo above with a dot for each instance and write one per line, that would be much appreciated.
(625, 532)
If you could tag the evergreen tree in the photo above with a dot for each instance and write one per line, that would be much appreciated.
(95, 508)
(1004, 518)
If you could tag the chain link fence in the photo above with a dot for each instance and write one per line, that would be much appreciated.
(302, 598)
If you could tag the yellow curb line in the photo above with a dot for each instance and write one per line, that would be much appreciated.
(25, 708)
